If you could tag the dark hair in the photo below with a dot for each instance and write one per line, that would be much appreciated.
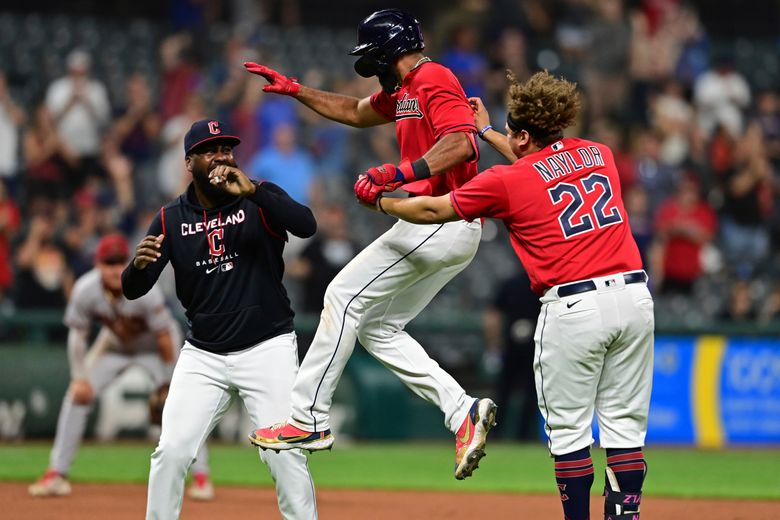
(543, 106)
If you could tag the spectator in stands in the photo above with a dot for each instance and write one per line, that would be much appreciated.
(770, 310)
(10, 218)
(134, 133)
(329, 141)
(511, 52)
(465, 60)
(272, 112)
(721, 95)
(572, 38)
(324, 256)
(509, 323)
(180, 77)
(226, 77)
(607, 59)
(48, 159)
(285, 163)
(80, 108)
(43, 277)
(747, 189)
(684, 224)
(641, 221)
(242, 120)
(656, 177)
(739, 307)
(12, 118)
(171, 176)
(672, 117)
(321, 260)
(693, 58)
(767, 117)
(611, 134)
(95, 211)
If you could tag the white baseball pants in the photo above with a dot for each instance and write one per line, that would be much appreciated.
(372, 299)
(594, 352)
(202, 388)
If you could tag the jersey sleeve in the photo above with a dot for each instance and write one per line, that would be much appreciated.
(384, 104)
(445, 103)
(76, 312)
(483, 196)
(280, 213)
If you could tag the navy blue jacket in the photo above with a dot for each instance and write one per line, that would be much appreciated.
(228, 265)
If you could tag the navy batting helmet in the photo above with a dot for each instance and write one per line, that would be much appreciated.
(384, 36)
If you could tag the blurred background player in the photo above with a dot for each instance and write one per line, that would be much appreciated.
(391, 281)
(141, 332)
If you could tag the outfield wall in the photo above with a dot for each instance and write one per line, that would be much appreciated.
(713, 391)
(709, 391)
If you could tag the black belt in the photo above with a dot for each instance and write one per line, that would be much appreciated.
(589, 285)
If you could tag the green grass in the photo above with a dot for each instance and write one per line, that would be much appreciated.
(508, 468)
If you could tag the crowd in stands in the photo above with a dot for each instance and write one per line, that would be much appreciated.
(97, 147)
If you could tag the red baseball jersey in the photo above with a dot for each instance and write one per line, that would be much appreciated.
(430, 104)
(563, 209)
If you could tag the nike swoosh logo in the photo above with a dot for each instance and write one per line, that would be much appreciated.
(294, 438)
(572, 304)
(209, 271)
(466, 435)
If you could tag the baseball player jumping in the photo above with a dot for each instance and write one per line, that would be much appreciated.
(140, 332)
(561, 203)
(224, 238)
(393, 279)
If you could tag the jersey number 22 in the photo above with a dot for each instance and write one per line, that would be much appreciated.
(604, 212)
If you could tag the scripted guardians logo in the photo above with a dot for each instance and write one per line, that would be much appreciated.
(406, 108)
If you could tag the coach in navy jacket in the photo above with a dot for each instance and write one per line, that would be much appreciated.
(224, 237)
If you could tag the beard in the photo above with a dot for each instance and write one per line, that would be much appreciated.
(200, 176)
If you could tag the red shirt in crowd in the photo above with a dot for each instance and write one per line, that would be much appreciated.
(682, 253)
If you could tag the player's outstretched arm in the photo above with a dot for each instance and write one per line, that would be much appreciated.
(348, 110)
(283, 211)
(486, 131)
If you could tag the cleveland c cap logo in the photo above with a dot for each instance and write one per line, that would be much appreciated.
(214, 128)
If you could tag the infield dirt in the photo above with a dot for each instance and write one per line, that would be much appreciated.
(127, 502)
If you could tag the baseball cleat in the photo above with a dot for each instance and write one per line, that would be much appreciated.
(285, 436)
(201, 487)
(51, 484)
(472, 436)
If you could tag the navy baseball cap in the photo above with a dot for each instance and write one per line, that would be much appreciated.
(207, 130)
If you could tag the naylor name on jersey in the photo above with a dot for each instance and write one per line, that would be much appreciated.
(194, 228)
(559, 164)
(406, 108)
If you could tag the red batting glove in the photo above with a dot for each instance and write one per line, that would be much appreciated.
(277, 83)
(367, 191)
(391, 176)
